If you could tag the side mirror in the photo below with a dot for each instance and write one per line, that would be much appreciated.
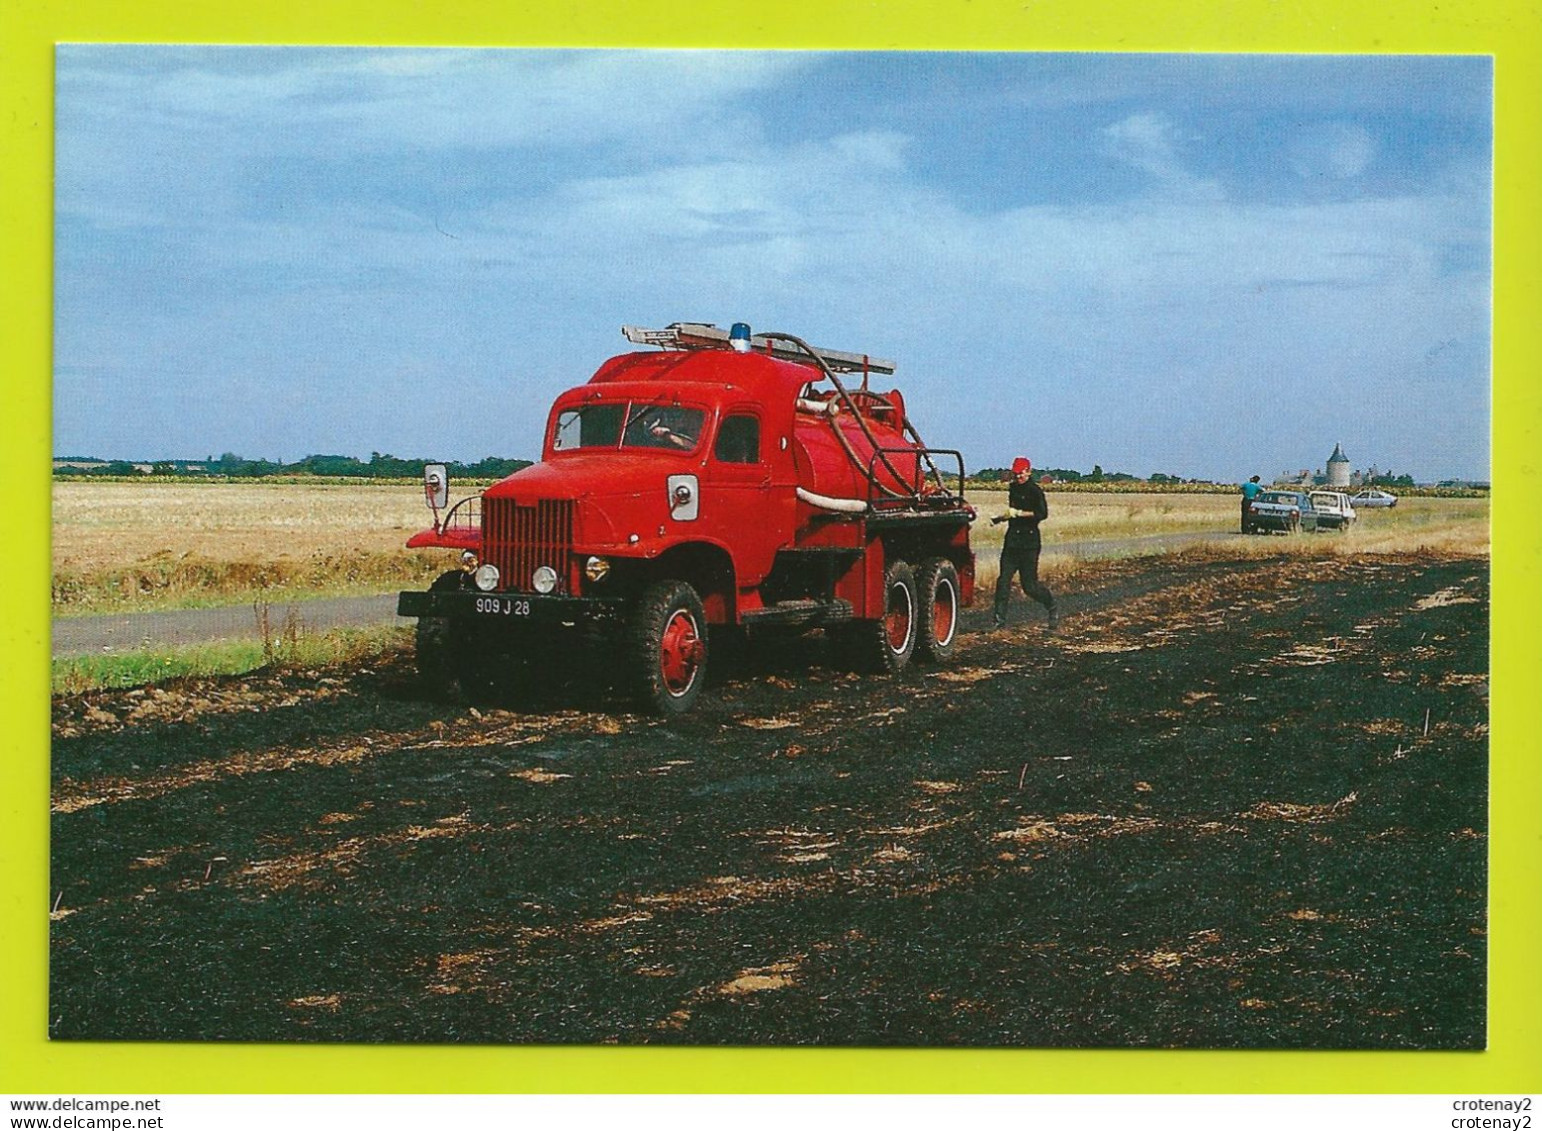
(436, 486)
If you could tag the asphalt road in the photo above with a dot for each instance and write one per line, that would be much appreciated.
(125, 632)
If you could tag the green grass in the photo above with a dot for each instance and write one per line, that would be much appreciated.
(288, 648)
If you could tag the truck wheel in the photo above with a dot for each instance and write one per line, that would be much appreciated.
(667, 639)
(884, 646)
(937, 627)
(484, 668)
(437, 654)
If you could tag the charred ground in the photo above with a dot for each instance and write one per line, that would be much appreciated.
(1231, 804)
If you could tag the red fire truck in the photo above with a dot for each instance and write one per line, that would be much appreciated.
(724, 481)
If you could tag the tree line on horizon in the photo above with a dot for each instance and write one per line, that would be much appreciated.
(385, 466)
(1069, 475)
(229, 465)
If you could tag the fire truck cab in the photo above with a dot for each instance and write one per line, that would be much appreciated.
(723, 479)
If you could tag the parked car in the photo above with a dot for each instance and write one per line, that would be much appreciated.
(1285, 511)
(1371, 497)
(1334, 510)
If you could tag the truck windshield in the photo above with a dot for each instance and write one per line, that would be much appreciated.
(593, 426)
(669, 427)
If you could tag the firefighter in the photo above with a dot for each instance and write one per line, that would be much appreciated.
(1026, 508)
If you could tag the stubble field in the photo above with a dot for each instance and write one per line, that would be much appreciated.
(1236, 802)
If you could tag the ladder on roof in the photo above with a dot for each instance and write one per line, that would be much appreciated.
(704, 335)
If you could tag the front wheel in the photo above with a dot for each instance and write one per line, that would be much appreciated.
(937, 595)
(438, 650)
(667, 642)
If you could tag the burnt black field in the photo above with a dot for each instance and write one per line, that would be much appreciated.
(1232, 804)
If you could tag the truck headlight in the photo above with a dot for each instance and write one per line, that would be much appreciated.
(487, 577)
(595, 569)
(544, 580)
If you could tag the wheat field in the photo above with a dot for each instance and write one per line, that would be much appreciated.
(106, 525)
(124, 545)
(120, 546)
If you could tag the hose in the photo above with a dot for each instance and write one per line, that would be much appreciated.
(825, 502)
(861, 422)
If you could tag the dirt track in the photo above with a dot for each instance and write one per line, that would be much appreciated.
(1231, 804)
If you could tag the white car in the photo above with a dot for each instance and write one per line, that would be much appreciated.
(1371, 497)
(1334, 510)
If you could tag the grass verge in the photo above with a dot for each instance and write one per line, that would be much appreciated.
(285, 648)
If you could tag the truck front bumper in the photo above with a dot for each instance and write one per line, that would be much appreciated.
(505, 608)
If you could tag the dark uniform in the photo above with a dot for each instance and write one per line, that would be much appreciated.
(1020, 551)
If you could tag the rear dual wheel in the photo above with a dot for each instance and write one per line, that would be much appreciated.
(937, 590)
(884, 646)
(920, 619)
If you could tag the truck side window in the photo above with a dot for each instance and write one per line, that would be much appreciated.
(738, 440)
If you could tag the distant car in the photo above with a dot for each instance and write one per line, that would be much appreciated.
(1371, 497)
(1334, 510)
(1285, 511)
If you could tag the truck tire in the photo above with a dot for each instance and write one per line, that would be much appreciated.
(486, 670)
(884, 646)
(460, 661)
(438, 657)
(667, 646)
(937, 600)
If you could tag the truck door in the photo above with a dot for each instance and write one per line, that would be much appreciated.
(736, 507)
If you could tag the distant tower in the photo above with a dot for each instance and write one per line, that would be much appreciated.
(1338, 468)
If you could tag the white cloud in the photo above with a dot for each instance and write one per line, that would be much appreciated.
(1152, 143)
(438, 98)
(1333, 149)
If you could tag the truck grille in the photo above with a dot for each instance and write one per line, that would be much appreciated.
(517, 539)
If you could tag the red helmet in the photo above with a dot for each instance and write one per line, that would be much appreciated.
(1021, 464)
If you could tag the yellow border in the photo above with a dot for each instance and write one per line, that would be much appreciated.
(1510, 30)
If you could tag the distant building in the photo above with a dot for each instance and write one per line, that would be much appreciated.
(1338, 468)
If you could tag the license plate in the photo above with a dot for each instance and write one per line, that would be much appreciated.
(503, 606)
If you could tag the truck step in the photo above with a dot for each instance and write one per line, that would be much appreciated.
(806, 611)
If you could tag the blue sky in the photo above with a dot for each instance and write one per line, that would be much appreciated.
(1209, 266)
